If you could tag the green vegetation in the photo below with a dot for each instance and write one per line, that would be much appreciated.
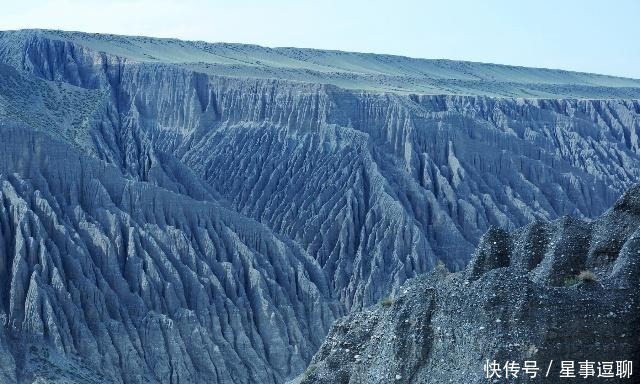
(570, 281)
(582, 277)
(386, 302)
(441, 268)
(308, 372)
(587, 277)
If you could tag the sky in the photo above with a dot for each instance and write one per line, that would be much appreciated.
(581, 35)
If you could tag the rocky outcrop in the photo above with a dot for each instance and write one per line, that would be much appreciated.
(397, 181)
(551, 291)
(333, 177)
(142, 284)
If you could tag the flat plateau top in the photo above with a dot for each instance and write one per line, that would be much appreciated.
(349, 70)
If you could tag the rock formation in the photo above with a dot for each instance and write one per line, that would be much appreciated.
(186, 212)
(549, 292)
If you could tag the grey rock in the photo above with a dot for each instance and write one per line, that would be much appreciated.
(252, 195)
(141, 284)
(522, 298)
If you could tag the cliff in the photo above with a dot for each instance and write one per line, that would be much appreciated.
(549, 292)
(309, 183)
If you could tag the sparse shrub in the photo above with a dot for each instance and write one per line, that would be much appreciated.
(570, 281)
(583, 277)
(386, 302)
(441, 268)
(308, 372)
(587, 277)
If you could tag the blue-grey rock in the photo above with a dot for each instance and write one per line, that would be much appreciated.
(549, 292)
(191, 212)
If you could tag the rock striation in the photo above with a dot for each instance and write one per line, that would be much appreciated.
(106, 279)
(560, 290)
(238, 199)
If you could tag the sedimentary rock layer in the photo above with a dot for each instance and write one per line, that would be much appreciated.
(549, 292)
(305, 183)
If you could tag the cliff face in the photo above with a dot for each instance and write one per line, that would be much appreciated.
(142, 283)
(309, 183)
(521, 298)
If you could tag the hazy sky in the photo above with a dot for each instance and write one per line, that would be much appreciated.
(583, 35)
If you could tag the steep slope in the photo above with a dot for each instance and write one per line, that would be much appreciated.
(140, 284)
(360, 177)
(372, 185)
(521, 298)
